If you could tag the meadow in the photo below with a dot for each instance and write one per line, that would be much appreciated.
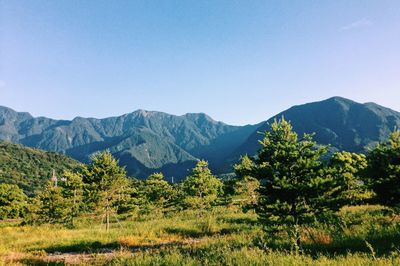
(366, 235)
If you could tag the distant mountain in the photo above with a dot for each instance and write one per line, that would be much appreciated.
(30, 168)
(342, 123)
(143, 141)
(147, 142)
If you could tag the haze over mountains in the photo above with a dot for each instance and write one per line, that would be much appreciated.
(147, 142)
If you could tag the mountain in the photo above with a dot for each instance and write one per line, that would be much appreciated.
(143, 141)
(147, 142)
(30, 168)
(339, 122)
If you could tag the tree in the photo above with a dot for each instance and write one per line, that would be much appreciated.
(383, 172)
(245, 185)
(105, 184)
(294, 191)
(157, 191)
(50, 206)
(12, 201)
(201, 188)
(73, 189)
(346, 169)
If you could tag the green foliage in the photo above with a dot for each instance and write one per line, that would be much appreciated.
(106, 184)
(73, 190)
(201, 188)
(50, 206)
(29, 168)
(13, 201)
(104, 181)
(245, 187)
(157, 191)
(294, 191)
(346, 169)
(383, 171)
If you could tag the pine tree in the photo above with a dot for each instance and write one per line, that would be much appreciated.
(346, 169)
(50, 206)
(73, 189)
(245, 185)
(294, 191)
(383, 171)
(157, 190)
(201, 188)
(13, 201)
(105, 183)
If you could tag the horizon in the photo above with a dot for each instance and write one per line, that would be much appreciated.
(239, 63)
(158, 111)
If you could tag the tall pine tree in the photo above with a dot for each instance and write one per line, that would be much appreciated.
(294, 192)
(105, 184)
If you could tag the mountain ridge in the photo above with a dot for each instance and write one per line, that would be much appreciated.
(148, 141)
(342, 123)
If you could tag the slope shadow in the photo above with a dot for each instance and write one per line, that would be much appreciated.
(380, 246)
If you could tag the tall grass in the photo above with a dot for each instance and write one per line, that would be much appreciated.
(366, 236)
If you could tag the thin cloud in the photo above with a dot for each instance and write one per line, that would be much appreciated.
(362, 23)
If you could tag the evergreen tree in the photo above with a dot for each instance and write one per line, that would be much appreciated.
(50, 206)
(201, 188)
(383, 171)
(105, 184)
(294, 191)
(158, 191)
(346, 169)
(73, 190)
(13, 201)
(245, 187)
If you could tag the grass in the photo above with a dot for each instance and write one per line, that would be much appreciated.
(367, 236)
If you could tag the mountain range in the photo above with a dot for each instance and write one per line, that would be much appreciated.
(148, 141)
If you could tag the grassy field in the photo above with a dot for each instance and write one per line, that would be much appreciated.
(222, 237)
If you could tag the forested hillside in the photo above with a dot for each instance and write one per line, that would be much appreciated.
(146, 142)
(28, 168)
(341, 123)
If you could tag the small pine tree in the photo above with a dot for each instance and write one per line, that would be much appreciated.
(73, 190)
(383, 172)
(245, 185)
(105, 184)
(346, 169)
(50, 206)
(201, 188)
(13, 201)
(158, 191)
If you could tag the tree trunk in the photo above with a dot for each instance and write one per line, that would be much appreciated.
(298, 237)
(74, 197)
(107, 218)
(296, 228)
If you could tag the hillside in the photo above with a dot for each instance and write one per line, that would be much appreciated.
(144, 141)
(147, 141)
(30, 168)
(339, 122)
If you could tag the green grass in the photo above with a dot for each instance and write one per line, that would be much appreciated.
(223, 237)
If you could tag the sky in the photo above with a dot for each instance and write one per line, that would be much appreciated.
(240, 62)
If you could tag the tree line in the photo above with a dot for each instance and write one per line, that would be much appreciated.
(291, 183)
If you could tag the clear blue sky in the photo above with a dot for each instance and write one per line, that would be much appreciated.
(238, 61)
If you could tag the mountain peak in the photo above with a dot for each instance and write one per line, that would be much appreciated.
(339, 99)
(199, 117)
